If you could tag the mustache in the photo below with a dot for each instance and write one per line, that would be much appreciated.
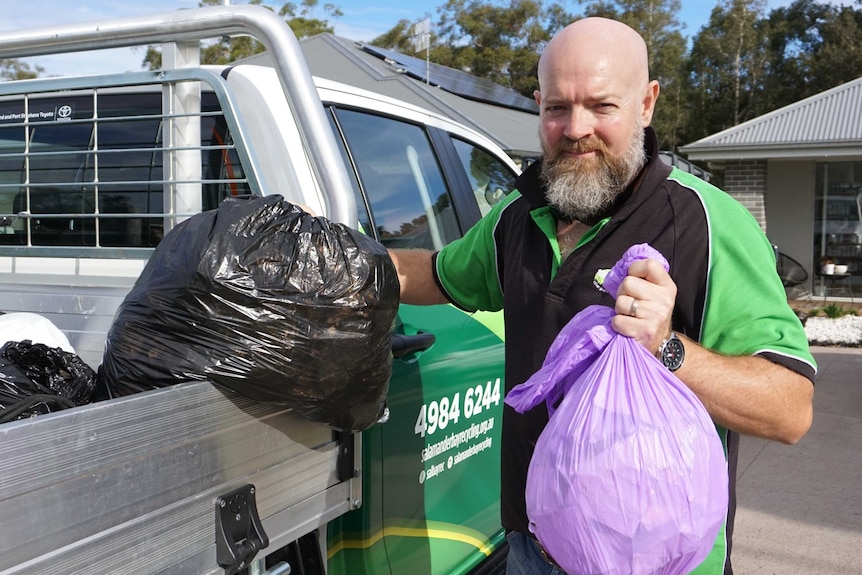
(592, 144)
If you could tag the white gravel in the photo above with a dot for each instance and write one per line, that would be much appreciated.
(845, 330)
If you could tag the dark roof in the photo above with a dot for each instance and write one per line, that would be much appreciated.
(456, 81)
(386, 72)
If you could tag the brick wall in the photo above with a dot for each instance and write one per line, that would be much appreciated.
(745, 180)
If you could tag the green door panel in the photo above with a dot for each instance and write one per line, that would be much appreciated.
(446, 431)
(436, 509)
(354, 540)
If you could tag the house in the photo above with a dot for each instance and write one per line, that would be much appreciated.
(798, 169)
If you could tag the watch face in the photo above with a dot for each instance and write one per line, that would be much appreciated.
(672, 353)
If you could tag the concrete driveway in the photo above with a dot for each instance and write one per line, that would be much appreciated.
(800, 506)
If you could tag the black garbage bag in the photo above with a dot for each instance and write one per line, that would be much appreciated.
(36, 379)
(264, 299)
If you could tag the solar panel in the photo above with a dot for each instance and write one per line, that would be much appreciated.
(456, 81)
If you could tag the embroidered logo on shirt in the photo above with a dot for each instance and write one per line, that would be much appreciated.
(599, 279)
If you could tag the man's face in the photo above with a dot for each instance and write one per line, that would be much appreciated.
(588, 91)
(583, 179)
(591, 129)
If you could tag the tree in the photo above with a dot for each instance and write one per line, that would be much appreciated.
(728, 67)
(396, 38)
(12, 69)
(501, 43)
(793, 38)
(226, 50)
(839, 58)
(303, 25)
(812, 47)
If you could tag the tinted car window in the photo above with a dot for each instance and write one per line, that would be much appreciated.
(490, 178)
(410, 202)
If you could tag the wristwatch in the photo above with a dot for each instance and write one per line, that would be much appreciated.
(671, 352)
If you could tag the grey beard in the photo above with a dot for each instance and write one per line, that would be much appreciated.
(581, 193)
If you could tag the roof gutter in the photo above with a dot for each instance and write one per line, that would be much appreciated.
(810, 151)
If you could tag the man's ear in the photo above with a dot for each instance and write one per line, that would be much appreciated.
(538, 96)
(650, 98)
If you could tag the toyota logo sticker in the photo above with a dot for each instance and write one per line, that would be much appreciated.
(13, 112)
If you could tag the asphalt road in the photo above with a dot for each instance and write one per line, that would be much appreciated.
(800, 506)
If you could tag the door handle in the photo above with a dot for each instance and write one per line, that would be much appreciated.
(403, 344)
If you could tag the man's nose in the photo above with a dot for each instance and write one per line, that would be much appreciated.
(580, 124)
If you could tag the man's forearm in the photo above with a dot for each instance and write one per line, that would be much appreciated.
(416, 277)
(750, 395)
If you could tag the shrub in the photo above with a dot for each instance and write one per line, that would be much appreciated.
(835, 310)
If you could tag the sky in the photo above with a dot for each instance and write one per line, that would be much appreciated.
(362, 21)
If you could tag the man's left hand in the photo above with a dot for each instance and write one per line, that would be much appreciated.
(645, 302)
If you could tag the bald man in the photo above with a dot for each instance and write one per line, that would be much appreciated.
(719, 319)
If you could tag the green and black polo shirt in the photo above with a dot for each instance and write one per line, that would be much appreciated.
(730, 298)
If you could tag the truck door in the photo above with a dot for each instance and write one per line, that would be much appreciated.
(433, 470)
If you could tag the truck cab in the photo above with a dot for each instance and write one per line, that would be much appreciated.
(94, 171)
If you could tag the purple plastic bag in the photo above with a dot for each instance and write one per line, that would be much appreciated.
(629, 476)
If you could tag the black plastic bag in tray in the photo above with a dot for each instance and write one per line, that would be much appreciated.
(264, 299)
(36, 379)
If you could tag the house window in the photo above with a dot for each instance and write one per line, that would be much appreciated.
(838, 228)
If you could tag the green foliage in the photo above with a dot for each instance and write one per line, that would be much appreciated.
(396, 38)
(300, 20)
(838, 57)
(727, 67)
(834, 310)
(813, 47)
(744, 63)
(226, 50)
(11, 69)
(499, 42)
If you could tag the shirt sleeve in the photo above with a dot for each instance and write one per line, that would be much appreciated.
(746, 310)
(467, 269)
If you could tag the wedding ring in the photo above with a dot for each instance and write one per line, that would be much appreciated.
(633, 311)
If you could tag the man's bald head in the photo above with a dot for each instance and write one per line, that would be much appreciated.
(607, 44)
(595, 98)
